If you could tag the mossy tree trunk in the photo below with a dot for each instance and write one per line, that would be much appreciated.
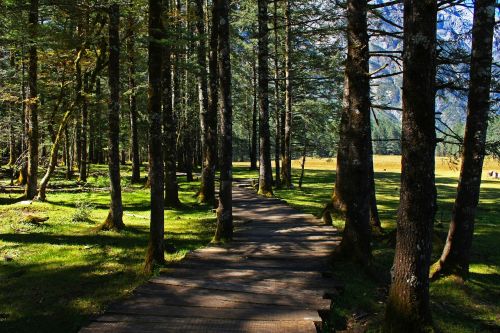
(408, 302)
(224, 230)
(352, 190)
(32, 104)
(265, 172)
(155, 253)
(456, 254)
(114, 220)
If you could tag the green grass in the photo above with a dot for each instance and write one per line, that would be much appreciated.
(472, 306)
(55, 275)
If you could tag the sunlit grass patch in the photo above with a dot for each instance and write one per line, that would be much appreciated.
(54, 275)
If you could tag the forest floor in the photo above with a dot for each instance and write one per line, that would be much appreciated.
(457, 306)
(54, 275)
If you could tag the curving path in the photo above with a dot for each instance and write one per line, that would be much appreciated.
(270, 279)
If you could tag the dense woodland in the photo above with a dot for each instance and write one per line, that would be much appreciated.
(181, 89)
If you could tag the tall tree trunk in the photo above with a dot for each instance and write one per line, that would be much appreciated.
(255, 113)
(303, 164)
(408, 302)
(456, 254)
(188, 99)
(53, 156)
(352, 182)
(225, 211)
(375, 224)
(12, 140)
(171, 102)
(23, 172)
(208, 106)
(67, 153)
(32, 107)
(287, 161)
(83, 134)
(132, 102)
(155, 254)
(277, 113)
(114, 220)
(265, 172)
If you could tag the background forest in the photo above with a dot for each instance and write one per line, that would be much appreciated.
(163, 104)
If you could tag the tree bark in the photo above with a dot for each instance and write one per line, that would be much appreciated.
(132, 102)
(255, 113)
(287, 161)
(114, 220)
(171, 102)
(32, 105)
(277, 113)
(155, 254)
(408, 302)
(375, 224)
(353, 157)
(83, 134)
(265, 172)
(208, 106)
(303, 164)
(224, 231)
(53, 156)
(456, 254)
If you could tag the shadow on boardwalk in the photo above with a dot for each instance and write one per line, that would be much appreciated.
(271, 278)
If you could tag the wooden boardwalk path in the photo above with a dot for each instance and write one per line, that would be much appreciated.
(269, 280)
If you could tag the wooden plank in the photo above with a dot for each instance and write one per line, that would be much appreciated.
(176, 311)
(234, 296)
(151, 324)
(257, 287)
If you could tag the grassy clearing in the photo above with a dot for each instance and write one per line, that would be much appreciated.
(56, 274)
(472, 306)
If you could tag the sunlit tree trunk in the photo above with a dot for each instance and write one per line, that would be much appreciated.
(408, 302)
(208, 107)
(456, 254)
(265, 172)
(255, 114)
(155, 254)
(224, 211)
(115, 216)
(287, 161)
(171, 104)
(32, 104)
(83, 135)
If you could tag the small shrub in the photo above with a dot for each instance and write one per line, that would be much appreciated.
(83, 211)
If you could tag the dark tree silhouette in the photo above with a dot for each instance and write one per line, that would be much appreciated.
(408, 302)
(456, 254)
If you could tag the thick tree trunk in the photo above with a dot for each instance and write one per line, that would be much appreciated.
(32, 105)
(171, 102)
(408, 302)
(114, 220)
(456, 254)
(132, 102)
(53, 156)
(155, 254)
(224, 230)
(277, 113)
(287, 161)
(265, 172)
(352, 182)
(208, 107)
(255, 114)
